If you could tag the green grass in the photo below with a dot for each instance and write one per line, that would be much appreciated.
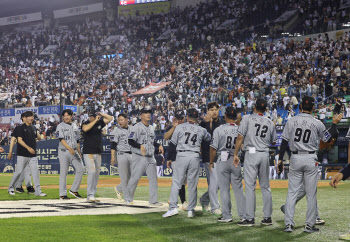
(333, 204)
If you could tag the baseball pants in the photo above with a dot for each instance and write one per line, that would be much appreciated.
(228, 175)
(182, 192)
(302, 169)
(187, 164)
(66, 159)
(25, 175)
(32, 163)
(301, 194)
(93, 165)
(273, 172)
(124, 161)
(257, 164)
(140, 165)
(211, 196)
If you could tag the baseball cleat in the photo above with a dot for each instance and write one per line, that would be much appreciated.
(216, 212)
(30, 190)
(266, 221)
(184, 206)
(75, 194)
(289, 228)
(41, 195)
(345, 236)
(64, 198)
(246, 223)
(309, 229)
(283, 208)
(19, 190)
(222, 220)
(205, 208)
(129, 203)
(119, 194)
(157, 204)
(170, 213)
(12, 193)
(92, 200)
(320, 222)
(190, 214)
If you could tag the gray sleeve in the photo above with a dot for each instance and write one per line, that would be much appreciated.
(286, 131)
(273, 134)
(175, 136)
(77, 134)
(207, 136)
(134, 133)
(115, 136)
(323, 132)
(215, 139)
(243, 127)
(59, 132)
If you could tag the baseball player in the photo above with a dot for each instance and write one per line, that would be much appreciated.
(69, 153)
(273, 164)
(119, 143)
(258, 132)
(222, 148)
(210, 123)
(186, 139)
(92, 149)
(143, 146)
(303, 133)
(26, 154)
(180, 119)
(26, 174)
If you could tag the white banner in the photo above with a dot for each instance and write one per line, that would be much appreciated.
(24, 18)
(5, 96)
(49, 50)
(68, 12)
(166, 34)
(112, 39)
(226, 24)
(285, 16)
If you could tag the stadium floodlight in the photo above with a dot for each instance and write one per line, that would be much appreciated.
(50, 50)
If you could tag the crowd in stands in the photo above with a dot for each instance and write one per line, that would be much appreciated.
(202, 65)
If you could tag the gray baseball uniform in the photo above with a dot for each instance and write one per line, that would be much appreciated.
(122, 156)
(258, 132)
(303, 132)
(71, 135)
(187, 138)
(223, 142)
(140, 164)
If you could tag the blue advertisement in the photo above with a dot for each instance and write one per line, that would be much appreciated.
(73, 108)
(7, 112)
(49, 110)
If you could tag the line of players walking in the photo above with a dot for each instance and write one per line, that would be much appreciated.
(220, 143)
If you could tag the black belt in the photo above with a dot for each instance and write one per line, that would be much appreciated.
(124, 152)
(188, 151)
(303, 152)
(144, 155)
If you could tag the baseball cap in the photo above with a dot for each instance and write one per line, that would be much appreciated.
(179, 114)
(260, 104)
(308, 100)
(93, 114)
(231, 112)
(146, 110)
(192, 112)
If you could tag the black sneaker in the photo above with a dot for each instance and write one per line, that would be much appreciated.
(19, 190)
(31, 190)
(289, 228)
(64, 198)
(246, 223)
(309, 229)
(75, 194)
(221, 219)
(266, 221)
